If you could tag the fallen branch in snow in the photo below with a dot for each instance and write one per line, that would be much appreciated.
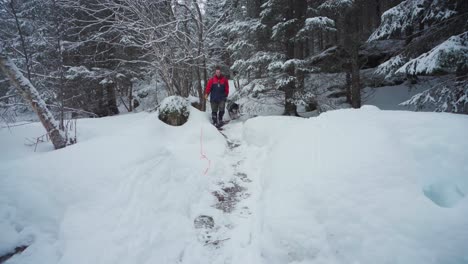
(216, 242)
(36, 141)
(74, 110)
(7, 256)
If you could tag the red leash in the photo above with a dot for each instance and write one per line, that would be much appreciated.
(203, 156)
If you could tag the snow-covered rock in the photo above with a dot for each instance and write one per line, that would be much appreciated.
(174, 110)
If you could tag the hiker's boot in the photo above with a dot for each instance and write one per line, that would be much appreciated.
(215, 118)
(220, 118)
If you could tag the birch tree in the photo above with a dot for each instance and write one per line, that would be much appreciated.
(30, 94)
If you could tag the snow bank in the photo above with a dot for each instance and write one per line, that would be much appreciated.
(363, 186)
(126, 192)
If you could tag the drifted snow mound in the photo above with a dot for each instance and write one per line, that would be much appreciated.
(445, 193)
(370, 108)
(120, 195)
(360, 186)
(174, 110)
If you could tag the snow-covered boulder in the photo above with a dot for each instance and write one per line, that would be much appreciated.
(174, 110)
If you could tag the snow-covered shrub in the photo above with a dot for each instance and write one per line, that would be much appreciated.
(174, 110)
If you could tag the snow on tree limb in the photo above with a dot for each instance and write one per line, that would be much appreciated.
(336, 4)
(279, 30)
(316, 23)
(242, 27)
(451, 96)
(389, 67)
(408, 15)
(447, 57)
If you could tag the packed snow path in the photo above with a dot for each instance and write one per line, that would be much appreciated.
(230, 235)
(350, 186)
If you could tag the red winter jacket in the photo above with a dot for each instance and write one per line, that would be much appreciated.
(217, 88)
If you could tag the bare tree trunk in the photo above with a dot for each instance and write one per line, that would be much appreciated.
(355, 83)
(201, 97)
(205, 81)
(58, 34)
(111, 99)
(289, 107)
(30, 93)
(200, 44)
(23, 42)
(348, 85)
(351, 42)
(294, 50)
(130, 98)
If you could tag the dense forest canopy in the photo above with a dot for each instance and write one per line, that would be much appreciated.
(102, 57)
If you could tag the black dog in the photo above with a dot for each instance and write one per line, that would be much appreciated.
(233, 110)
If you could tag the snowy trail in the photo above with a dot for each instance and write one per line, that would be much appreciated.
(245, 161)
(232, 237)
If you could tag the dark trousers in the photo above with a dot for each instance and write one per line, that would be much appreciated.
(217, 111)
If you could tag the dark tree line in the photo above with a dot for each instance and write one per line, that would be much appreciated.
(277, 43)
(89, 57)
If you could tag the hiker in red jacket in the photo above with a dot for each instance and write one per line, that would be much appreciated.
(218, 89)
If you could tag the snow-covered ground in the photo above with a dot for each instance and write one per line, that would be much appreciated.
(349, 186)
